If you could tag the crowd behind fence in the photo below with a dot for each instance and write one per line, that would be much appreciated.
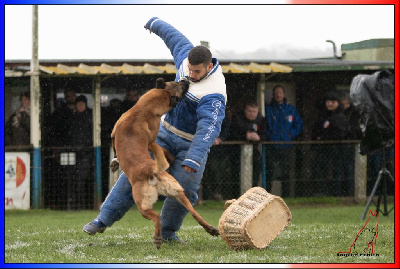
(328, 168)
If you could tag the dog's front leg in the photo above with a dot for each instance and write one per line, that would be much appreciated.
(161, 163)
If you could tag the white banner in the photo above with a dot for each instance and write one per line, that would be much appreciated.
(17, 180)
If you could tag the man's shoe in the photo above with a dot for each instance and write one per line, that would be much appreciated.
(93, 227)
(175, 240)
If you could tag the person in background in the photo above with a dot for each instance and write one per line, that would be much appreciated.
(81, 139)
(283, 124)
(249, 125)
(130, 100)
(330, 125)
(61, 121)
(353, 133)
(18, 127)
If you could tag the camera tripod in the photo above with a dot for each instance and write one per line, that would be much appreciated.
(383, 174)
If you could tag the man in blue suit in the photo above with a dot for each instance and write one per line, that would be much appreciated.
(187, 132)
(283, 124)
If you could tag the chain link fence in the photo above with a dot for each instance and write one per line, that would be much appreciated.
(306, 169)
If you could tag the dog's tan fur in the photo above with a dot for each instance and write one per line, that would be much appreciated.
(133, 136)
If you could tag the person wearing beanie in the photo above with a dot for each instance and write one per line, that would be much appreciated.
(330, 125)
(81, 139)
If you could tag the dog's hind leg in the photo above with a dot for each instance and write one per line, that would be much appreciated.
(145, 195)
(161, 163)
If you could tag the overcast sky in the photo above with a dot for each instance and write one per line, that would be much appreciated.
(116, 32)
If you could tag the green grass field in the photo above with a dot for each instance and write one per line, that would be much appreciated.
(317, 232)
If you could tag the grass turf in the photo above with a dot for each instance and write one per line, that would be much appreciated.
(317, 232)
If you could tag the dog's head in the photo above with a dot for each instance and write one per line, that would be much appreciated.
(176, 89)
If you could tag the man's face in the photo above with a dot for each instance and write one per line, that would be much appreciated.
(198, 72)
(25, 101)
(279, 95)
(70, 97)
(345, 103)
(251, 112)
(331, 104)
(132, 96)
(80, 107)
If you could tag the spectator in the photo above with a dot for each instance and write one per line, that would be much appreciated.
(353, 133)
(330, 125)
(61, 121)
(17, 128)
(130, 100)
(217, 176)
(249, 125)
(283, 124)
(81, 138)
(109, 116)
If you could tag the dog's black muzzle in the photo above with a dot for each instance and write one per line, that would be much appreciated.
(174, 100)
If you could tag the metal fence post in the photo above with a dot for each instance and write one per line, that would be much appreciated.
(246, 167)
(97, 141)
(360, 175)
(35, 114)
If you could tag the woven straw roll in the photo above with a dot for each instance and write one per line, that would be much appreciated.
(254, 220)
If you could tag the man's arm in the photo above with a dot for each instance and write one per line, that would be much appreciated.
(210, 113)
(177, 43)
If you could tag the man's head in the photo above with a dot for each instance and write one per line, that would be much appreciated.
(200, 63)
(69, 96)
(25, 99)
(251, 110)
(332, 101)
(81, 103)
(278, 94)
(132, 95)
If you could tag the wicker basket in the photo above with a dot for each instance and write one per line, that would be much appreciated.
(254, 220)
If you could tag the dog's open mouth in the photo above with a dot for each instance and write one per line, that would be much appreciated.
(174, 100)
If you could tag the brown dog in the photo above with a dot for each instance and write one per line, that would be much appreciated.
(133, 136)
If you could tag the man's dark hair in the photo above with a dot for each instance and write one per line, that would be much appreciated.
(276, 87)
(200, 55)
(25, 94)
(251, 103)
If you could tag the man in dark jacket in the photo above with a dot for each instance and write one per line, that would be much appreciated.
(330, 125)
(283, 124)
(18, 127)
(81, 138)
(249, 125)
(353, 133)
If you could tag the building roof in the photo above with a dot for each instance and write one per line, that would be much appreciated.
(107, 67)
(21, 68)
(369, 44)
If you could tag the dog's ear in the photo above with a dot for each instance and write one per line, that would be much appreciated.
(160, 83)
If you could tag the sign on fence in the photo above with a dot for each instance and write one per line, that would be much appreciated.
(17, 180)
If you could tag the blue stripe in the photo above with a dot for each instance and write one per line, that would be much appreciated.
(37, 178)
(97, 177)
(192, 97)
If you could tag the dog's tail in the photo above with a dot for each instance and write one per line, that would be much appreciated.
(114, 165)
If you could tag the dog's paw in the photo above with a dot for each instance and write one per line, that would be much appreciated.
(212, 231)
(114, 165)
